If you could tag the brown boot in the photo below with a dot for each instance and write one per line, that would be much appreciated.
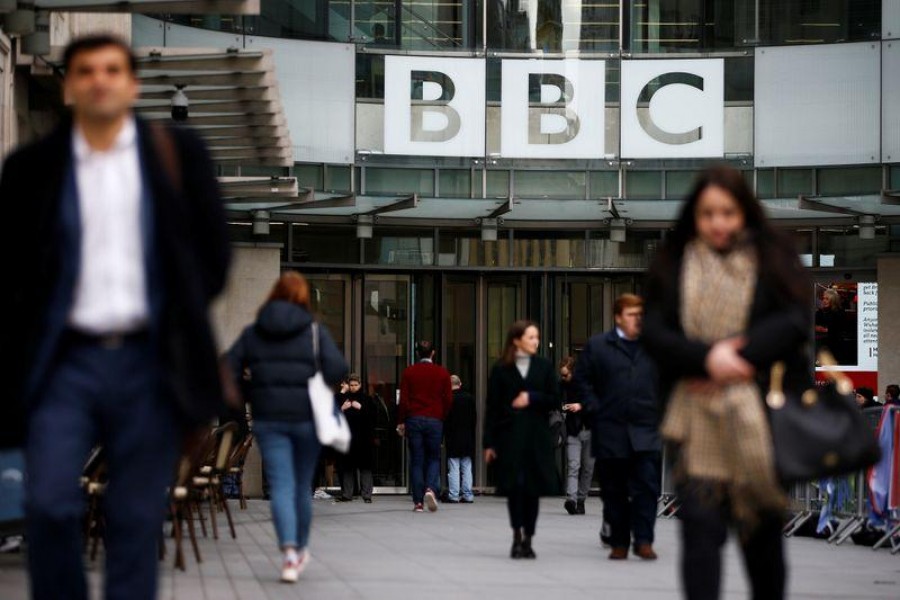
(645, 551)
(619, 553)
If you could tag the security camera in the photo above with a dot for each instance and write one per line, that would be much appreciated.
(179, 104)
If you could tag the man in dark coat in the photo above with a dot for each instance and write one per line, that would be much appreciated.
(618, 380)
(105, 333)
(459, 434)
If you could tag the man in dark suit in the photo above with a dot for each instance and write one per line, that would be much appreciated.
(617, 380)
(425, 401)
(119, 246)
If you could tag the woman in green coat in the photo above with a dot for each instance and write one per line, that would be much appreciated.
(522, 390)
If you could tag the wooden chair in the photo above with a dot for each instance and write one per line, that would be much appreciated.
(236, 467)
(207, 484)
(181, 502)
(93, 482)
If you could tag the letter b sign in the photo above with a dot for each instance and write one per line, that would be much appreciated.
(434, 107)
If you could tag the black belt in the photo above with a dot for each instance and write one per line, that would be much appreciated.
(110, 341)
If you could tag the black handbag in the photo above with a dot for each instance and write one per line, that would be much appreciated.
(822, 432)
(557, 423)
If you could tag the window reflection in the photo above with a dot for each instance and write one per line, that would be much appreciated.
(553, 25)
(651, 26)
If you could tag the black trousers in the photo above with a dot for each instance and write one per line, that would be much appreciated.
(629, 488)
(704, 529)
(523, 511)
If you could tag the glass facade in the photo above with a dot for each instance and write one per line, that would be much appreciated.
(443, 277)
(556, 26)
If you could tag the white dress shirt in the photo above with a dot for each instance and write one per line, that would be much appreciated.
(111, 288)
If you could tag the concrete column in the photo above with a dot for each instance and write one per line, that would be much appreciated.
(254, 269)
(888, 320)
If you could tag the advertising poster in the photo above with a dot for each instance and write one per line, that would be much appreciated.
(846, 324)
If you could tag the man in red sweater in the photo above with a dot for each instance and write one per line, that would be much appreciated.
(425, 400)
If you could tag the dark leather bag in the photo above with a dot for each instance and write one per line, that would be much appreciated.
(822, 432)
(557, 423)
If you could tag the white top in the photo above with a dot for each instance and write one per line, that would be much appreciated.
(523, 361)
(111, 289)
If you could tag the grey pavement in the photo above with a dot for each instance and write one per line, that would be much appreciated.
(385, 551)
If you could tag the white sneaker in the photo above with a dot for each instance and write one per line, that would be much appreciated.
(431, 501)
(293, 568)
(290, 571)
(12, 543)
(322, 495)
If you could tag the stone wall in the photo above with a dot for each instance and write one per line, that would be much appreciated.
(254, 269)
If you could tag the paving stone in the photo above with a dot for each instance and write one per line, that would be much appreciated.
(385, 551)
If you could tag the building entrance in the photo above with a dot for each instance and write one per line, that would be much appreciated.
(377, 317)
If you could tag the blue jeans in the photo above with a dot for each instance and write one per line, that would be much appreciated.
(456, 465)
(290, 451)
(424, 435)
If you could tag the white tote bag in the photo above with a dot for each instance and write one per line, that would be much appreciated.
(332, 428)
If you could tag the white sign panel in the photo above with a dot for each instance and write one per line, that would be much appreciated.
(867, 326)
(818, 105)
(434, 106)
(673, 108)
(553, 109)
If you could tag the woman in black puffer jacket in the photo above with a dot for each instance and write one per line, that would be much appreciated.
(277, 351)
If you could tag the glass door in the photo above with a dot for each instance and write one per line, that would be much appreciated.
(330, 299)
(585, 308)
(460, 329)
(386, 303)
(503, 305)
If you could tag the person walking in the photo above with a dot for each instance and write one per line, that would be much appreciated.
(278, 352)
(105, 331)
(359, 409)
(579, 454)
(522, 390)
(459, 433)
(726, 298)
(425, 401)
(617, 380)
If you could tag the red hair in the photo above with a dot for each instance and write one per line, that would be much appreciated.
(627, 301)
(291, 287)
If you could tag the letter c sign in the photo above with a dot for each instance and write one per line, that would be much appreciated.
(673, 108)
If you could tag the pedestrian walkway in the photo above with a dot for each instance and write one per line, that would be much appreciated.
(385, 551)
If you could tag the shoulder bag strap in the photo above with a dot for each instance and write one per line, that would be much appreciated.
(164, 143)
(315, 343)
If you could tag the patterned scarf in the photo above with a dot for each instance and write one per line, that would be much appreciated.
(722, 431)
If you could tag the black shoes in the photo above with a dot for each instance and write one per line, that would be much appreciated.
(516, 551)
(521, 548)
(367, 500)
(570, 507)
(579, 508)
(527, 551)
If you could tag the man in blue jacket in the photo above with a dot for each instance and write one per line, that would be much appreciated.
(617, 380)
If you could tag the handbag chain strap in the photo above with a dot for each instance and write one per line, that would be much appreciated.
(842, 383)
(775, 397)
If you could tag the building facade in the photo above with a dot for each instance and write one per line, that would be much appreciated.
(464, 163)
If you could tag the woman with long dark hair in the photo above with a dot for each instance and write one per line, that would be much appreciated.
(277, 352)
(522, 390)
(726, 298)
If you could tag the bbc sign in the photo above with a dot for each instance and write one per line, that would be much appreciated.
(554, 108)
